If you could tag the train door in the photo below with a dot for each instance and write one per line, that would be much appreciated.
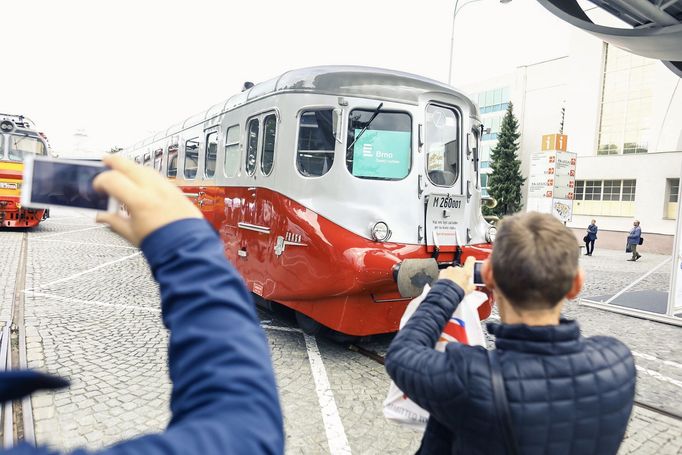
(257, 223)
(209, 195)
(445, 199)
(249, 232)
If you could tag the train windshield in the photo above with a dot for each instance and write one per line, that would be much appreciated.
(383, 150)
(442, 145)
(21, 144)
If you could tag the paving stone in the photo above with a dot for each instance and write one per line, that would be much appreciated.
(101, 328)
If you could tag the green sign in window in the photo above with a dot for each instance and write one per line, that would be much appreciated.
(382, 154)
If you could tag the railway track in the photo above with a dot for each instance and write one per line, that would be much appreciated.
(650, 407)
(17, 416)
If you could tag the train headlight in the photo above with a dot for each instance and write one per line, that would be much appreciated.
(490, 234)
(380, 231)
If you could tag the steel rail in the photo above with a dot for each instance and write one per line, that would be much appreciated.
(13, 355)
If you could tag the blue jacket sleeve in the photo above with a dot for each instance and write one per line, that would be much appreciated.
(434, 380)
(224, 398)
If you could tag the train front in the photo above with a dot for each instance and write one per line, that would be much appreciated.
(404, 203)
(17, 138)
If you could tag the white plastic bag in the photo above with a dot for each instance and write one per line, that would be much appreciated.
(463, 327)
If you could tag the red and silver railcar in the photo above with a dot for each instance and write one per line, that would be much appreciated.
(327, 184)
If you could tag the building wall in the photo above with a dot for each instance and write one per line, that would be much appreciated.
(575, 81)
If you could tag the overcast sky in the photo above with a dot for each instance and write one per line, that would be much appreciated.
(120, 70)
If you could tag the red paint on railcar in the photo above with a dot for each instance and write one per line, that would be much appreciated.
(289, 254)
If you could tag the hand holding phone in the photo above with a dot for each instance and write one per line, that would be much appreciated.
(49, 182)
(151, 200)
(461, 276)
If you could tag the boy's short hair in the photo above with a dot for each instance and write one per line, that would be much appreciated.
(534, 260)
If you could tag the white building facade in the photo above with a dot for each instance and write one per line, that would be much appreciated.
(623, 117)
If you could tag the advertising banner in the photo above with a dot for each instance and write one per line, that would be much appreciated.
(551, 180)
(382, 154)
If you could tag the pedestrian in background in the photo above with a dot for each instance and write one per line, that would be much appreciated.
(545, 388)
(590, 238)
(224, 398)
(634, 239)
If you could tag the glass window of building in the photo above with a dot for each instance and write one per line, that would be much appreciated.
(380, 146)
(232, 151)
(172, 170)
(626, 103)
(579, 190)
(191, 157)
(672, 198)
(316, 143)
(251, 146)
(673, 189)
(611, 190)
(629, 187)
(593, 190)
(484, 185)
(211, 153)
(267, 155)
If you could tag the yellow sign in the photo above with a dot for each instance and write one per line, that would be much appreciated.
(554, 142)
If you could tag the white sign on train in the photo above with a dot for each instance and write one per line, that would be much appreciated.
(444, 218)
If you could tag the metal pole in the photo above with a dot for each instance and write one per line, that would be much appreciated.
(452, 35)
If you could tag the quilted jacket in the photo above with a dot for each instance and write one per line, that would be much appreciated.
(567, 394)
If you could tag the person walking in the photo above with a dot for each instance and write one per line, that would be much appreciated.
(545, 388)
(590, 238)
(634, 237)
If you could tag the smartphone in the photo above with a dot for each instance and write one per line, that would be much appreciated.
(50, 182)
(478, 277)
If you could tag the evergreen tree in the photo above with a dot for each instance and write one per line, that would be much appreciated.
(505, 182)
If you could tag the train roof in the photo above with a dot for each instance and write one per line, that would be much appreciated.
(351, 81)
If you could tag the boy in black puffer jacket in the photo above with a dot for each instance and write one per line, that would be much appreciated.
(566, 394)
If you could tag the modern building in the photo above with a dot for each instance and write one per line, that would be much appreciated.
(623, 117)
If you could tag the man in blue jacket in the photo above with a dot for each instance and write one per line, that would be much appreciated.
(633, 240)
(224, 398)
(565, 394)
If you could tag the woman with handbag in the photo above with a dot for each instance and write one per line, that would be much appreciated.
(634, 238)
(590, 237)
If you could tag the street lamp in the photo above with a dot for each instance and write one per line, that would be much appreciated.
(452, 36)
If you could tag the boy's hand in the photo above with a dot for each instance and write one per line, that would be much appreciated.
(152, 201)
(461, 276)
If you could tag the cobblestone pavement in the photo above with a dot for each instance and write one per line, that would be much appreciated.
(92, 314)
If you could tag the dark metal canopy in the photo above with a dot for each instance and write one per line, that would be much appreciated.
(656, 26)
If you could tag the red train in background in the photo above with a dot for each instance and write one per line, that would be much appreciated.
(18, 137)
(338, 191)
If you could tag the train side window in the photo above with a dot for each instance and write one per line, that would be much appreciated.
(147, 159)
(379, 144)
(21, 145)
(158, 159)
(316, 143)
(211, 152)
(232, 151)
(267, 155)
(172, 161)
(252, 146)
(138, 159)
(191, 157)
